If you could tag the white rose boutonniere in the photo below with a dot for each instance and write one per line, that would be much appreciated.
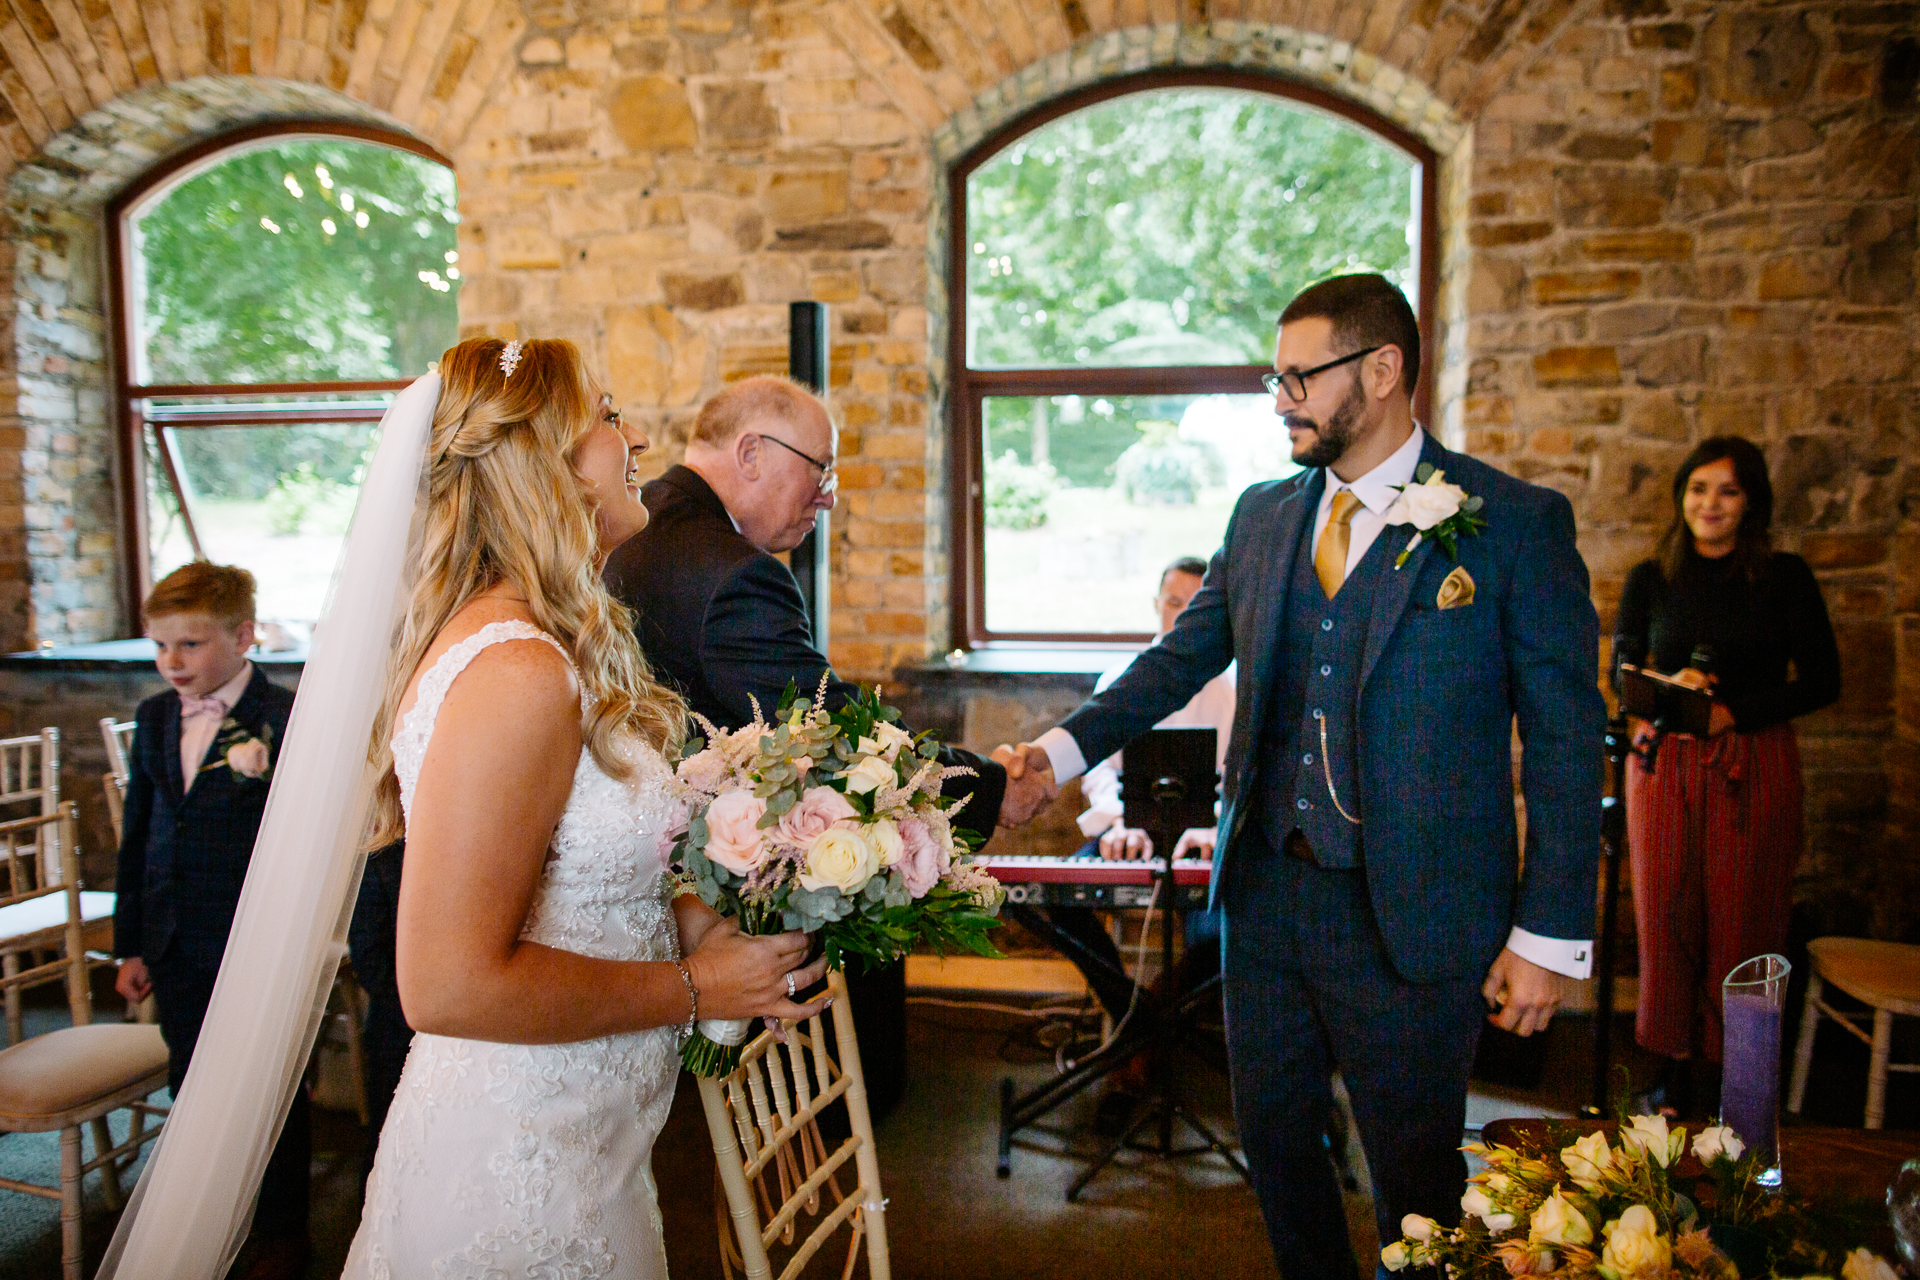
(1437, 510)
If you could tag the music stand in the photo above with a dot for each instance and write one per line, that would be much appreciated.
(1167, 783)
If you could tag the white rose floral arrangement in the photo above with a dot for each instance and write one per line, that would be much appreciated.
(831, 823)
(1635, 1208)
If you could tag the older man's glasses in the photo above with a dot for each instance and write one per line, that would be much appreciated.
(1295, 383)
(829, 478)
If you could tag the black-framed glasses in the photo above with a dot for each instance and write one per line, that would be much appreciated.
(829, 478)
(1295, 384)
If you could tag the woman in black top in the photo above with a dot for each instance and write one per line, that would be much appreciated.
(1716, 827)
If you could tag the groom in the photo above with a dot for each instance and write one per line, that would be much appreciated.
(1369, 868)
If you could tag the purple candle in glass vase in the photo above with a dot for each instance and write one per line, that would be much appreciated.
(1753, 997)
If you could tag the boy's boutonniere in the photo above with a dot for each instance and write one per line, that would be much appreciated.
(242, 752)
(1436, 510)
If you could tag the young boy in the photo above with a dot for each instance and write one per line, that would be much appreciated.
(202, 757)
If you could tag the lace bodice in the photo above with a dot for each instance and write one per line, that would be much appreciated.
(600, 894)
(503, 1160)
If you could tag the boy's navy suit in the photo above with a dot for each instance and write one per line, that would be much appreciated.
(183, 859)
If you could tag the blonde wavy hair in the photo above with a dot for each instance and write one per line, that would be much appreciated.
(504, 505)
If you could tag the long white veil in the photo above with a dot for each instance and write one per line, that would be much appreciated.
(190, 1213)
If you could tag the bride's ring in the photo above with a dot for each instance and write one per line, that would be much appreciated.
(791, 989)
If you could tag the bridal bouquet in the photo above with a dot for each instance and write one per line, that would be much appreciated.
(831, 823)
(1635, 1208)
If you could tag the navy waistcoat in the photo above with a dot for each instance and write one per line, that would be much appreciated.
(1325, 642)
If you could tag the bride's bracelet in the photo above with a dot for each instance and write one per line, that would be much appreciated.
(693, 1000)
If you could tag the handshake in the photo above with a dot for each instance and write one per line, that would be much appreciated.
(1030, 784)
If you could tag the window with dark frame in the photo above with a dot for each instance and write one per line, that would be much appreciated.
(1118, 260)
(271, 289)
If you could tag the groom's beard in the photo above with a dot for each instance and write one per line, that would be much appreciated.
(1336, 436)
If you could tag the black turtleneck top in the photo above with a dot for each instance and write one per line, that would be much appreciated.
(1773, 646)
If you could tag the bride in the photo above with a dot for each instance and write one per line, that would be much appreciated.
(539, 956)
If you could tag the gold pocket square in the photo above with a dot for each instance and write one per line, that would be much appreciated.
(1457, 591)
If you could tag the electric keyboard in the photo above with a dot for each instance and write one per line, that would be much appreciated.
(1095, 882)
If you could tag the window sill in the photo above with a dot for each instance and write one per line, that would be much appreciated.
(121, 655)
(1023, 660)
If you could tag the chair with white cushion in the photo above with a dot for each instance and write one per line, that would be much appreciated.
(773, 1162)
(30, 775)
(73, 1077)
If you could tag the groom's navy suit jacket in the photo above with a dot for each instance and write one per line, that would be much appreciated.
(1440, 691)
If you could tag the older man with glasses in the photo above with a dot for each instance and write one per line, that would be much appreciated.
(721, 617)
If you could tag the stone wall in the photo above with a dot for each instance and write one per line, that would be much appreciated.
(1661, 219)
(1699, 219)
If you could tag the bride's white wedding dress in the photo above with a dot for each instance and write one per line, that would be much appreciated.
(505, 1160)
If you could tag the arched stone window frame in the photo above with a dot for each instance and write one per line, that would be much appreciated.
(967, 387)
(129, 396)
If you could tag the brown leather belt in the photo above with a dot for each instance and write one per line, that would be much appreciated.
(1297, 846)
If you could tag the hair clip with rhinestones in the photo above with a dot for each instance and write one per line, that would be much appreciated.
(510, 357)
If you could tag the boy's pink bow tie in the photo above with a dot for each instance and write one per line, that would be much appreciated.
(191, 706)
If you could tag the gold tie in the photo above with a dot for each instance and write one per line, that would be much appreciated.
(1330, 553)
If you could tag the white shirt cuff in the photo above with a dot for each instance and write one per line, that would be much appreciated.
(1068, 760)
(1564, 956)
(1098, 820)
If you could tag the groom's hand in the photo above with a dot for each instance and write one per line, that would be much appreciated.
(1522, 995)
(1030, 786)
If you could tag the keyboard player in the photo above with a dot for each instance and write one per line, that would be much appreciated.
(1079, 932)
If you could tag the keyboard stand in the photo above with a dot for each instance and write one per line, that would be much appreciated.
(1160, 1026)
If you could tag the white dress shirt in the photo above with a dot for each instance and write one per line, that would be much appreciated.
(1376, 491)
(198, 732)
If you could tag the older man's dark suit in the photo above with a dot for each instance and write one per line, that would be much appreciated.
(725, 623)
(183, 859)
(1375, 968)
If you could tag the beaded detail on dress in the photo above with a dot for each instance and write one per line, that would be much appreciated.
(503, 1160)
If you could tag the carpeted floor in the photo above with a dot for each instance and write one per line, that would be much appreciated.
(947, 1214)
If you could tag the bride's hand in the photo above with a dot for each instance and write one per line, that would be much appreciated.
(740, 975)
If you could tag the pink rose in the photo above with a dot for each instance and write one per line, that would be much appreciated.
(248, 759)
(733, 834)
(924, 861)
(818, 809)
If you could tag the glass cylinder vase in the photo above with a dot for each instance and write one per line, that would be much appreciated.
(1753, 1000)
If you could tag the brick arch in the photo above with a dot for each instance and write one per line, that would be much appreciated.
(941, 59)
(426, 66)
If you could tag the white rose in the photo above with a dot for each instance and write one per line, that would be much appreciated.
(1635, 1247)
(1863, 1264)
(1588, 1161)
(1499, 1223)
(871, 773)
(888, 845)
(892, 738)
(839, 858)
(1648, 1135)
(1556, 1221)
(1395, 1257)
(1415, 1227)
(1426, 505)
(1718, 1142)
(1477, 1202)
